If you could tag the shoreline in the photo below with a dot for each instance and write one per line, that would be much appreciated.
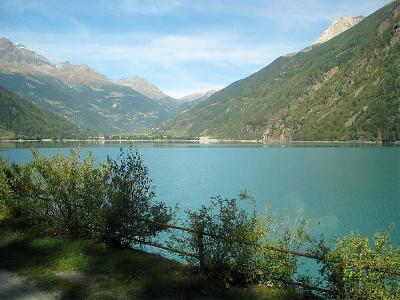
(209, 141)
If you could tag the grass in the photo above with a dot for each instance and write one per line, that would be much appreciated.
(78, 269)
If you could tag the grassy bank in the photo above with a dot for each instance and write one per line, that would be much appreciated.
(85, 269)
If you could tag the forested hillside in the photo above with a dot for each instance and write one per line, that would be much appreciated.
(345, 89)
(21, 119)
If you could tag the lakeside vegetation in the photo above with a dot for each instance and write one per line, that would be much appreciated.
(74, 201)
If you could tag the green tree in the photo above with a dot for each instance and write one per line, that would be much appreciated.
(131, 212)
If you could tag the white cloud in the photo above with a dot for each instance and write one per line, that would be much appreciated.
(169, 61)
(221, 48)
(172, 49)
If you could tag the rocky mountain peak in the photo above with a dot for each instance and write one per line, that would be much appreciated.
(197, 96)
(337, 27)
(76, 75)
(63, 64)
(68, 65)
(144, 87)
(5, 43)
(15, 54)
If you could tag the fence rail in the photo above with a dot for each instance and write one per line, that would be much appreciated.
(265, 246)
(200, 234)
(184, 253)
(269, 247)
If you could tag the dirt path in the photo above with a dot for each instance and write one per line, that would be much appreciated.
(12, 287)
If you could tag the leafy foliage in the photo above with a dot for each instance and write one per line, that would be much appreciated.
(131, 212)
(6, 194)
(231, 247)
(70, 192)
(351, 267)
(71, 195)
(17, 191)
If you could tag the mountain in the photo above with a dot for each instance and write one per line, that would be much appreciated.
(79, 75)
(144, 87)
(21, 119)
(79, 93)
(337, 27)
(197, 97)
(107, 109)
(347, 88)
(16, 55)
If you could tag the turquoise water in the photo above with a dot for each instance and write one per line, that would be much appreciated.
(343, 189)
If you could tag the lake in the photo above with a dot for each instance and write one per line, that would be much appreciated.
(342, 188)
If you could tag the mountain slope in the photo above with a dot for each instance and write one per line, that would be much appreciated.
(344, 89)
(78, 75)
(144, 87)
(79, 93)
(153, 92)
(109, 108)
(20, 118)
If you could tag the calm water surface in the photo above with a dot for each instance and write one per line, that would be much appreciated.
(343, 189)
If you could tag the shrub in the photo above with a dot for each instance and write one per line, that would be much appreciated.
(223, 257)
(112, 200)
(233, 253)
(16, 190)
(6, 194)
(70, 192)
(131, 212)
(353, 267)
(285, 231)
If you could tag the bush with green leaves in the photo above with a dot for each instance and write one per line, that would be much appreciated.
(284, 231)
(355, 269)
(73, 195)
(231, 250)
(70, 192)
(131, 212)
(6, 194)
(17, 191)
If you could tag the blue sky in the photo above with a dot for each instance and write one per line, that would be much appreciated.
(181, 46)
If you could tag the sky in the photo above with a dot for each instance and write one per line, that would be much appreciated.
(181, 46)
